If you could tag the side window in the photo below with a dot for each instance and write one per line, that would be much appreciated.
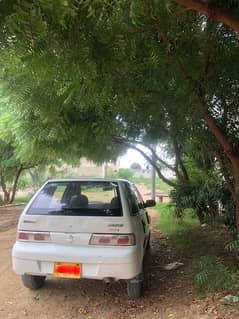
(58, 195)
(131, 199)
(138, 197)
(51, 196)
(59, 192)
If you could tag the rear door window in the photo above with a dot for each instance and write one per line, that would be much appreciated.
(79, 198)
(131, 199)
(138, 196)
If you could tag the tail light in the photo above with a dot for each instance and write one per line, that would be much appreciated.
(33, 236)
(113, 239)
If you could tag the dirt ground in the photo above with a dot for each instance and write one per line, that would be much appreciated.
(167, 294)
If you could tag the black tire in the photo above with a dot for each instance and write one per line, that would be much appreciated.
(33, 282)
(134, 289)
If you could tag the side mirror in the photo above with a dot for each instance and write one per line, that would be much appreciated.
(149, 203)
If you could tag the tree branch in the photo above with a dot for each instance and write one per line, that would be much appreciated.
(130, 145)
(213, 12)
(155, 154)
(224, 173)
(184, 176)
(179, 163)
(218, 133)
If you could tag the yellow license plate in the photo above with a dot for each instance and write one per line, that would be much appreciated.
(67, 270)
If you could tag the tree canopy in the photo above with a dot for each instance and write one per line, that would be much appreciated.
(93, 77)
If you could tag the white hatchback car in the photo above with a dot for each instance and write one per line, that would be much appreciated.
(83, 228)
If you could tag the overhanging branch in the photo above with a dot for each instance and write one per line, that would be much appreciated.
(154, 154)
(212, 11)
(149, 159)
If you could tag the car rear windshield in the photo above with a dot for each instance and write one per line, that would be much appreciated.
(78, 198)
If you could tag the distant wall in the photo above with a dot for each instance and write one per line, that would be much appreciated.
(90, 169)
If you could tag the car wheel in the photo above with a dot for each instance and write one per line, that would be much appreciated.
(134, 289)
(134, 286)
(33, 282)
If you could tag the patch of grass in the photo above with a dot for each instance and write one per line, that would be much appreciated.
(22, 199)
(169, 224)
(211, 274)
(186, 234)
(202, 246)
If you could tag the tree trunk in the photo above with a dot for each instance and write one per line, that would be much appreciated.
(236, 192)
(237, 211)
(229, 182)
(9, 196)
(6, 194)
(14, 187)
(200, 215)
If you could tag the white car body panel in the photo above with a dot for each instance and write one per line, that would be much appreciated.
(69, 242)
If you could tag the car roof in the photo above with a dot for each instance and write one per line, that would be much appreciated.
(111, 180)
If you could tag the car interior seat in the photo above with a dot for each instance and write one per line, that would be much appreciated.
(79, 201)
(115, 204)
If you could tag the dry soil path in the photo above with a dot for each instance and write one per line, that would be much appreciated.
(166, 294)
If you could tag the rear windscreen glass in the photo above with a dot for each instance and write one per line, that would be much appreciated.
(78, 198)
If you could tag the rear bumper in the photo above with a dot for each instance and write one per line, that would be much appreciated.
(97, 262)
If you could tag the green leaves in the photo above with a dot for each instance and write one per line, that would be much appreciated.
(212, 275)
(137, 11)
(79, 73)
